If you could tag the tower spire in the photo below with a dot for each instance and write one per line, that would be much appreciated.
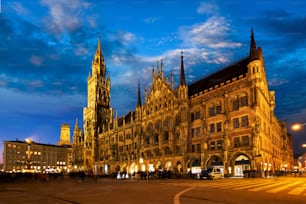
(76, 124)
(99, 45)
(138, 97)
(182, 77)
(252, 54)
(98, 65)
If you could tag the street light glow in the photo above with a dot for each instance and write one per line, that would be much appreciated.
(28, 140)
(297, 126)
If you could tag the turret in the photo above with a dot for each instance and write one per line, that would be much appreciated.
(182, 76)
(253, 52)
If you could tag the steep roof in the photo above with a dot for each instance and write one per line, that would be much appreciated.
(223, 75)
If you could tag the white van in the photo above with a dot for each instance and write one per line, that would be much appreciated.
(212, 173)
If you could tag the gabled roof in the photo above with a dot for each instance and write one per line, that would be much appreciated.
(221, 76)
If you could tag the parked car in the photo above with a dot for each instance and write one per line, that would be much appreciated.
(211, 173)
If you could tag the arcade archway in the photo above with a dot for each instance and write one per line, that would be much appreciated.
(242, 163)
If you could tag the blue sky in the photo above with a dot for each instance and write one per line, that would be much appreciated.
(46, 49)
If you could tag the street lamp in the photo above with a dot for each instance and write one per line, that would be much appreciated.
(29, 142)
(297, 126)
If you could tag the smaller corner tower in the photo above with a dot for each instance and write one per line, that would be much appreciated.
(64, 135)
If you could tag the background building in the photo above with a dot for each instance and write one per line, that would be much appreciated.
(19, 156)
(28, 155)
(226, 119)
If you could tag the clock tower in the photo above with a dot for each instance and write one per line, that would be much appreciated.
(98, 113)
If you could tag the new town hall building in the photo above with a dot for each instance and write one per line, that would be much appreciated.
(225, 119)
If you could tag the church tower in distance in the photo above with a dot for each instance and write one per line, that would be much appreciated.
(98, 113)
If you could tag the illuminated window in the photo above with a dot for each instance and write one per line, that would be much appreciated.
(212, 145)
(219, 144)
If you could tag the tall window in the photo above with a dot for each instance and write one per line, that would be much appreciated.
(219, 144)
(212, 111)
(236, 142)
(243, 101)
(166, 136)
(198, 147)
(197, 115)
(212, 128)
(195, 131)
(158, 125)
(156, 139)
(177, 134)
(192, 116)
(235, 104)
(218, 109)
(219, 127)
(245, 141)
(212, 145)
(236, 122)
(193, 148)
(244, 121)
(147, 141)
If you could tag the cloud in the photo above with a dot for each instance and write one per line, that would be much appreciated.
(36, 60)
(151, 20)
(208, 8)
(18, 8)
(284, 27)
(211, 33)
(66, 15)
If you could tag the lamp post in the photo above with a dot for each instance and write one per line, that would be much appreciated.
(297, 126)
(29, 142)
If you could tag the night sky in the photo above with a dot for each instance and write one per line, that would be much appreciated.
(46, 50)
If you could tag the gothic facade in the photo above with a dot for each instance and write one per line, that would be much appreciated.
(226, 119)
